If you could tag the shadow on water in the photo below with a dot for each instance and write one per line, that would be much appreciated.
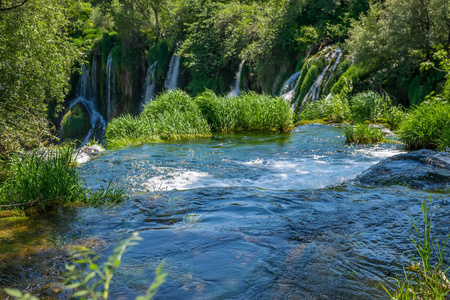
(243, 216)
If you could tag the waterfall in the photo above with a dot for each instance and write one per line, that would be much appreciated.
(171, 81)
(149, 86)
(110, 87)
(235, 88)
(289, 87)
(333, 57)
(85, 92)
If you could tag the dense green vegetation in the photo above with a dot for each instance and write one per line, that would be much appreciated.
(175, 114)
(363, 107)
(363, 134)
(75, 123)
(427, 126)
(40, 179)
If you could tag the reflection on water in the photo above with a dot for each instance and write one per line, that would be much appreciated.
(242, 217)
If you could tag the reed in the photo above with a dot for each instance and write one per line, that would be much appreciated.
(363, 134)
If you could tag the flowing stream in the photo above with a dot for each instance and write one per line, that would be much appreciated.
(171, 81)
(235, 91)
(318, 88)
(149, 86)
(234, 216)
(289, 87)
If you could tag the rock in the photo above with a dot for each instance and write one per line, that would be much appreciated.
(422, 170)
(85, 153)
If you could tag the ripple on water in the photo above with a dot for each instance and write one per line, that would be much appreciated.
(250, 217)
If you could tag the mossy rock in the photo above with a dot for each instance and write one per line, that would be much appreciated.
(307, 122)
(76, 123)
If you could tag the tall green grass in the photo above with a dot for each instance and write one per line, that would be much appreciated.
(174, 114)
(363, 134)
(48, 177)
(363, 107)
(334, 108)
(248, 112)
(427, 126)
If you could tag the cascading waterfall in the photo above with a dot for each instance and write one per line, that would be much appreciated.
(289, 87)
(333, 57)
(149, 86)
(86, 96)
(171, 81)
(235, 88)
(110, 87)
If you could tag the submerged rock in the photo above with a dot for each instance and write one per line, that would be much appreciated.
(421, 170)
(85, 153)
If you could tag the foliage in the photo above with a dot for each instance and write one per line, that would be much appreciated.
(172, 115)
(335, 108)
(39, 178)
(368, 106)
(248, 112)
(94, 283)
(36, 60)
(426, 126)
(425, 277)
(363, 134)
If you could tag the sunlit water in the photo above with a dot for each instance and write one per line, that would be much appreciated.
(243, 216)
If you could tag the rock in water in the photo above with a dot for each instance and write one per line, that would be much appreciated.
(421, 170)
(85, 153)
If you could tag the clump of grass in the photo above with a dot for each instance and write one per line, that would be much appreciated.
(363, 107)
(40, 178)
(426, 126)
(335, 108)
(425, 277)
(368, 106)
(172, 115)
(248, 112)
(363, 134)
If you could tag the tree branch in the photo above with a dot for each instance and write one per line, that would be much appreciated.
(13, 6)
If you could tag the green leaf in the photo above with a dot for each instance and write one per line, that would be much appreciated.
(80, 293)
(73, 285)
(13, 292)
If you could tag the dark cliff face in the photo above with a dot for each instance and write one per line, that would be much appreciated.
(422, 170)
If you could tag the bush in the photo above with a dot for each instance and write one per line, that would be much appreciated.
(49, 176)
(335, 108)
(172, 115)
(368, 106)
(248, 112)
(426, 126)
(363, 134)
(175, 114)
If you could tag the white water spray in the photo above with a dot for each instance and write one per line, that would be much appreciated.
(333, 57)
(149, 86)
(289, 87)
(86, 91)
(171, 81)
(110, 87)
(235, 88)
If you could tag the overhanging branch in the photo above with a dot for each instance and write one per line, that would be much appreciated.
(12, 6)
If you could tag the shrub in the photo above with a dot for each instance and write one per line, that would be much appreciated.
(49, 176)
(76, 123)
(368, 106)
(363, 134)
(175, 114)
(172, 115)
(426, 126)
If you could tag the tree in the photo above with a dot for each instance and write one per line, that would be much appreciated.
(35, 64)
